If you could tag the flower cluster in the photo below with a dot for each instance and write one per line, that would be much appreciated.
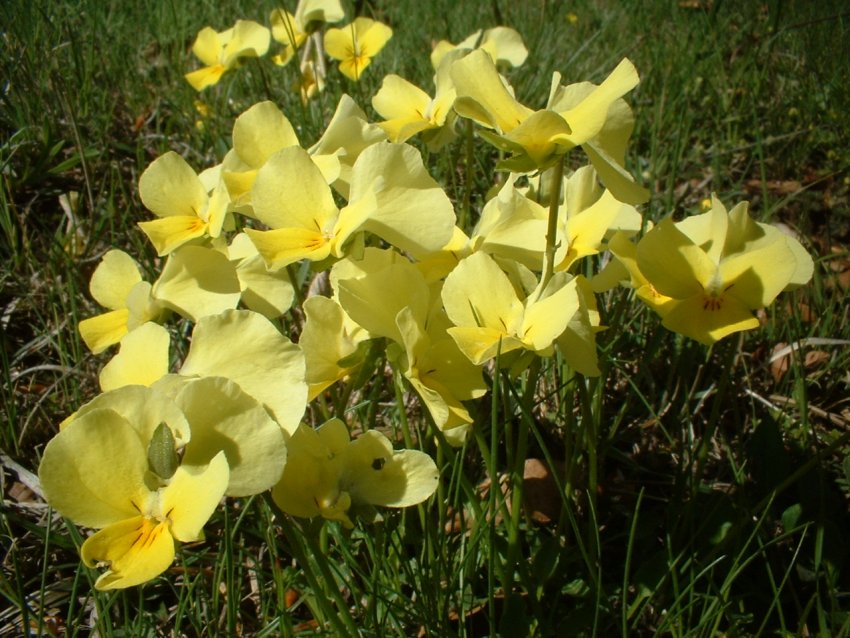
(399, 286)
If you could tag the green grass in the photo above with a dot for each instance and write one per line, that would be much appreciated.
(697, 495)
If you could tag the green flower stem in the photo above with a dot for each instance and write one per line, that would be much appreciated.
(590, 432)
(340, 617)
(469, 167)
(520, 451)
(556, 177)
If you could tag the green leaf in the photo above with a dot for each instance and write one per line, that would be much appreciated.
(162, 457)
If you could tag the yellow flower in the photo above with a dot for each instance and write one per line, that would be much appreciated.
(292, 30)
(408, 110)
(117, 285)
(356, 44)
(172, 190)
(503, 44)
(392, 195)
(221, 52)
(96, 472)
(718, 268)
(593, 117)
(326, 473)
(490, 318)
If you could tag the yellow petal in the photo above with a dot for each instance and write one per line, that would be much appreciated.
(477, 293)
(483, 96)
(309, 11)
(547, 318)
(709, 323)
(482, 344)
(398, 98)
(247, 348)
(192, 495)
(137, 550)
(375, 300)
(207, 76)
(226, 419)
(142, 359)
(104, 330)
(310, 479)
(290, 192)
(587, 118)
(288, 31)
(269, 293)
(113, 278)
(284, 246)
(93, 470)
(198, 281)
(170, 233)
(505, 46)
(207, 46)
(672, 263)
(757, 276)
(250, 39)
(144, 408)
(373, 473)
(412, 212)
(328, 336)
(536, 135)
(170, 187)
(260, 132)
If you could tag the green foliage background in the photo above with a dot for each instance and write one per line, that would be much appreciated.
(702, 492)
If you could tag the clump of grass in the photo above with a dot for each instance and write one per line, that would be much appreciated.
(697, 491)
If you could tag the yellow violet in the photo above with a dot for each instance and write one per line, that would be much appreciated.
(292, 30)
(503, 44)
(96, 473)
(222, 51)
(117, 285)
(718, 268)
(593, 117)
(355, 44)
(172, 191)
(326, 473)
(490, 318)
(408, 110)
(391, 195)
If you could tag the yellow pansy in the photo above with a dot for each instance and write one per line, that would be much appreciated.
(503, 44)
(96, 472)
(222, 51)
(292, 30)
(718, 268)
(391, 195)
(490, 318)
(172, 191)
(326, 473)
(355, 44)
(408, 110)
(117, 285)
(586, 115)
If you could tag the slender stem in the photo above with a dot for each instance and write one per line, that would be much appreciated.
(556, 175)
(340, 618)
(469, 165)
(520, 450)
